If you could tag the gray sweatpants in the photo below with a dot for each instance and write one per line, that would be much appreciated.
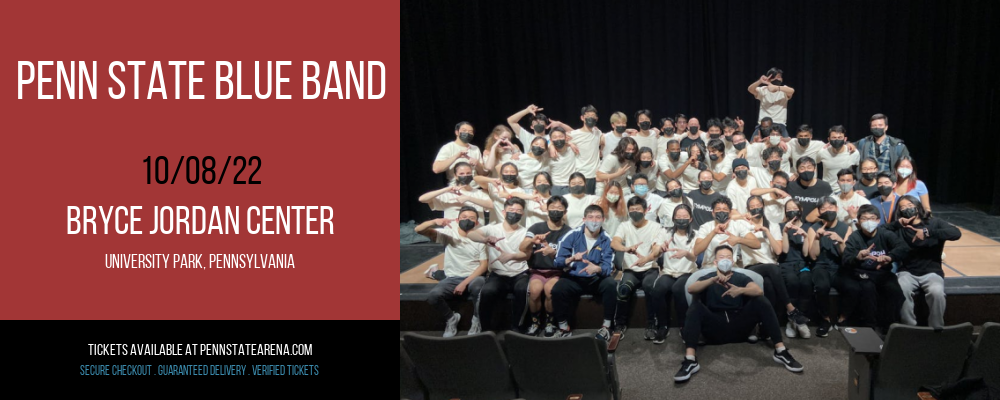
(933, 286)
(445, 290)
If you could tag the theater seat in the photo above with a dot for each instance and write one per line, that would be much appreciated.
(985, 359)
(915, 356)
(555, 368)
(409, 387)
(759, 280)
(461, 367)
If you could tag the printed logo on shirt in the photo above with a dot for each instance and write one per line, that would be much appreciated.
(702, 207)
(811, 200)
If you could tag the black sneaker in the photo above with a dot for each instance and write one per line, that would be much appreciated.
(603, 334)
(798, 317)
(824, 328)
(550, 329)
(661, 335)
(536, 325)
(785, 358)
(650, 331)
(620, 330)
(688, 368)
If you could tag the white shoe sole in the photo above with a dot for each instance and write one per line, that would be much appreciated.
(778, 360)
(688, 376)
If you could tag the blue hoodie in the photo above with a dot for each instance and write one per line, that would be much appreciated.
(574, 242)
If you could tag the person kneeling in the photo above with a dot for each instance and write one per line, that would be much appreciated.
(730, 307)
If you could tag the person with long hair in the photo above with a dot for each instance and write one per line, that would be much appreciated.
(619, 165)
(578, 200)
(679, 262)
(907, 182)
(867, 174)
(537, 209)
(532, 162)
(612, 201)
(673, 197)
(541, 243)
(501, 149)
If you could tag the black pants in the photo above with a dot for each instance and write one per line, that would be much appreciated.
(631, 281)
(774, 285)
(799, 284)
(721, 327)
(590, 185)
(666, 288)
(567, 291)
(495, 290)
(824, 277)
(880, 300)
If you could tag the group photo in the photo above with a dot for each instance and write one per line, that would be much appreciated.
(641, 199)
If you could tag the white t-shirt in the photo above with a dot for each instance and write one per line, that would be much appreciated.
(774, 105)
(609, 165)
(754, 151)
(689, 178)
(533, 213)
(448, 202)
(663, 163)
(651, 173)
(855, 200)
(645, 237)
(765, 254)
(613, 222)
(645, 141)
(498, 213)
(563, 166)
(575, 211)
(653, 202)
(795, 151)
(449, 150)
(611, 142)
(526, 137)
(725, 166)
(774, 209)
(589, 144)
(666, 210)
(528, 167)
(834, 162)
(736, 228)
(676, 267)
(661, 145)
(510, 244)
(462, 255)
(739, 194)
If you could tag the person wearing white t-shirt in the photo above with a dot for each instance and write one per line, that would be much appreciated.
(721, 167)
(612, 202)
(673, 165)
(837, 157)
(500, 149)
(508, 266)
(679, 262)
(773, 193)
(674, 197)
(848, 201)
(588, 139)
(729, 132)
(465, 263)
(619, 124)
(645, 164)
(563, 164)
(535, 203)
(647, 135)
(578, 200)
(459, 150)
(639, 241)
(501, 189)
(538, 124)
(640, 189)
(618, 165)
(759, 153)
(739, 189)
(773, 95)
(721, 230)
(450, 199)
(533, 162)
(668, 132)
(803, 145)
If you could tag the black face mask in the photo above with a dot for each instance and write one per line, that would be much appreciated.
(804, 141)
(559, 143)
(740, 145)
(837, 143)
(675, 155)
(543, 187)
(644, 125)
(885, 190)
(467, 224)
(705, 185)
(776, 82)
(682, 223)
(878, 132)
(714, 135)
(538, 128)
(773, 165)
(464, 180)
(729, 138)
(756, 212)
(636, 216)
(620, 129)
(556, 215)
(628, 155)
(577, 189)
(645, 164)
(714, 157)
(722, 216)
(807, 176)
(741, 174)
(695, 129)
(513, 218)
(792, 214)
(869, 175)
(537, 150)
(676, 193)
(465, 137)
(668, 131)
(590, 122)
(828, 216)
(779, 187)
(509, 178)
(692, 130)
(908, 212)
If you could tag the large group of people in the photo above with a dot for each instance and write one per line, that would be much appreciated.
(780, 217)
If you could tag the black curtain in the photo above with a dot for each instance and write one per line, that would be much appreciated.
(930, 66)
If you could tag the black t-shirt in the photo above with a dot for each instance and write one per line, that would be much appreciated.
(712, 296)
(794, 253)
(829, 252)
(702, 206)
(537, 260)
(870, 191)
(808, 197)
(686, 142)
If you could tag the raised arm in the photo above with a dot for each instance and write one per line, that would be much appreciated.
(514, 120)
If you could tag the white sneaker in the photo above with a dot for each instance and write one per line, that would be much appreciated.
(452, 328)
(475, 328)
(804, 331)
(790, 330)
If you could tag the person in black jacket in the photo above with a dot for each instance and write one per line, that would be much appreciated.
(868, 259)
(921, 269)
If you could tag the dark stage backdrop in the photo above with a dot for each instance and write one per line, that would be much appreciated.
(930, 66)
